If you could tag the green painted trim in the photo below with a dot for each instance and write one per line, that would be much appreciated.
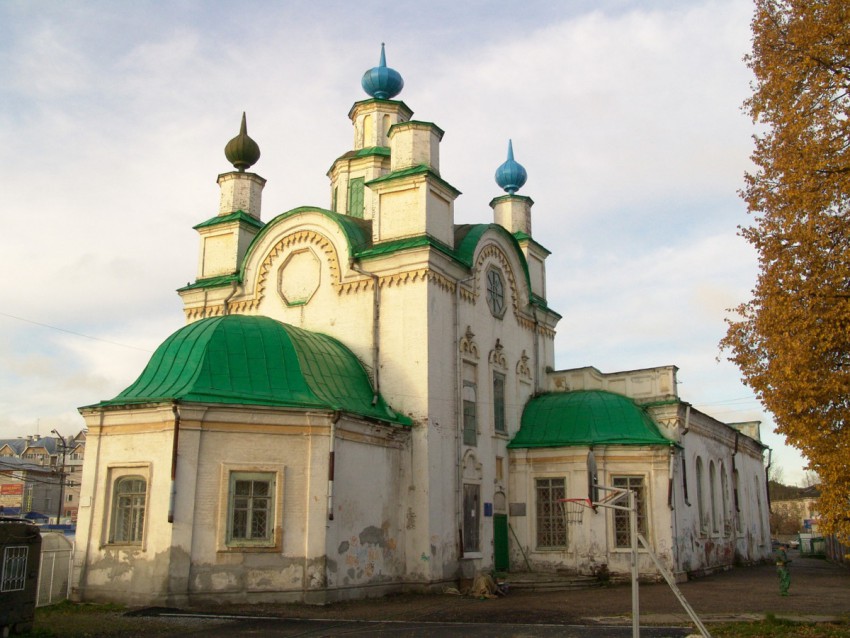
(469, 243)
(212, 282)
(398, 245)
(383, 151)
(420, 169)
(371, 151)
(500, 198)
(356, 231)
(238, 216)
(374, 100)
(521, 236)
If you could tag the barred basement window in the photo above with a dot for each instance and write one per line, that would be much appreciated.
(14, 568)
(551, 526)
(622, 532)
(128, 510)
(251, 509)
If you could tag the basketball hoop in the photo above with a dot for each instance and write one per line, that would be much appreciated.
(573, 509)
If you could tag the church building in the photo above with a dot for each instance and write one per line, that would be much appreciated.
(364, 400)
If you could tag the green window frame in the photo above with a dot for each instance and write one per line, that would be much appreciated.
(499, 422)
(251, 509)
(128, 510)
(355, 197)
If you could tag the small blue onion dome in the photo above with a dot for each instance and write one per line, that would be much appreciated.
(381, 81)
(511, 175)
(242, 151)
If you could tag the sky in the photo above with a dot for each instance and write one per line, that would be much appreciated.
(626, 115)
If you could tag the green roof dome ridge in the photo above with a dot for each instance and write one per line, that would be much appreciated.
(585, 418)
(256, 360)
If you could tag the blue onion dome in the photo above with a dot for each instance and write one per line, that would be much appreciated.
(242, 151)
(381, 81)
(511, 175)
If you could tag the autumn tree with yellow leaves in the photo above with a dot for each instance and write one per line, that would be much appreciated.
(792, 340)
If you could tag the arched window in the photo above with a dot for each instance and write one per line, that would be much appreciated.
(703, 519)
(128, 510)
(712, 493)
(763, 537)
(736, 502)
(724, 500)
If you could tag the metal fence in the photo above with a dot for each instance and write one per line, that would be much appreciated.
(54, 577)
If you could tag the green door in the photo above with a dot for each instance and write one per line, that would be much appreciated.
(500, 542)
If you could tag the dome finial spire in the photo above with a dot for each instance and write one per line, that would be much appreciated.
(511, 175)
(382, 82)
(242, 151)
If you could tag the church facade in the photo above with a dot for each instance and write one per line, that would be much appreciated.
(364, 400)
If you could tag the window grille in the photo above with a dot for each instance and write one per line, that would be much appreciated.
(551, 526)
(622, 531)
(14, 568)
(128, 513)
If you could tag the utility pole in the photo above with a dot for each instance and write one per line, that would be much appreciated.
(61, 478)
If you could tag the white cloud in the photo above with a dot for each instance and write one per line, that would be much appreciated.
(112, 133)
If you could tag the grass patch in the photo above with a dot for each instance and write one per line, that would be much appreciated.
(772, 627)
(87, 620)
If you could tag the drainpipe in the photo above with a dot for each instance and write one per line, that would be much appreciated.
(459, 416)
(767, 477)
(229, 297)
(176, 412)
(331, 453)
(376, 325)
(536, 338)
(670, 478)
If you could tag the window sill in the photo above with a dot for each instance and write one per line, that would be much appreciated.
(248, 549)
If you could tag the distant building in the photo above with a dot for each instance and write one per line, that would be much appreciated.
(30, 470)
(364, 400)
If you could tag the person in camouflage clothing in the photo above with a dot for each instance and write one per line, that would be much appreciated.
(782, 562)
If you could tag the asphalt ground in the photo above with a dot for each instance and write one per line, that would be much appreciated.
(820, 591)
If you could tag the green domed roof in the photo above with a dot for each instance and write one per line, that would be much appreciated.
(247, 360)
(592, 417)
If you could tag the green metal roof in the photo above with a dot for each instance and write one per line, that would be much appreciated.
(419, 169)
(237, 216)
(589, 417)
(248, 360)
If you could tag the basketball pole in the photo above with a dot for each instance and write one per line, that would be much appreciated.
(633, 533)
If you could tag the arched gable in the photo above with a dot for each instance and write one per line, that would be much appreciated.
(482, 244)
(331, 239)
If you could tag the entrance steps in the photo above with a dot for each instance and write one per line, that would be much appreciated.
(547, 581)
